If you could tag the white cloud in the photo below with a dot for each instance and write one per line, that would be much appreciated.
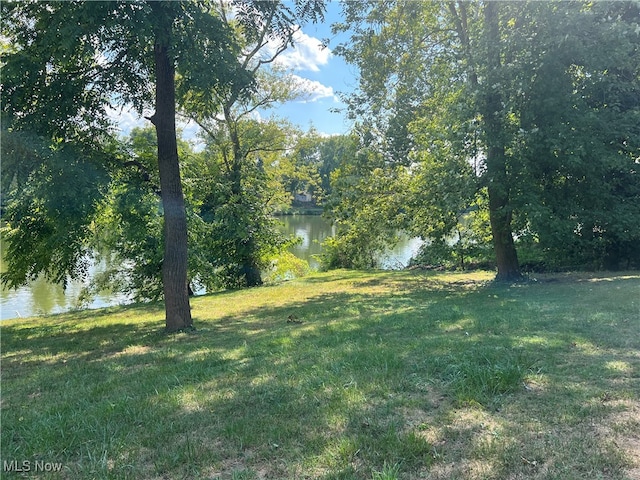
(126, 119)
(312, 90)
(307, 53)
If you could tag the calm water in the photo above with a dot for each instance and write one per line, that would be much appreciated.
(42, 297)
(313, 229)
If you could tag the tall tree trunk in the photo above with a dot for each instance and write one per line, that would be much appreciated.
(500, 219)
(496, 174)
(174, 264)
(246, 247)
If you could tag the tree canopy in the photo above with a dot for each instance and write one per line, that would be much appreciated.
(525, 110)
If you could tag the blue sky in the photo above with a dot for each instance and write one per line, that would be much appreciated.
(327, 73)
(323, 74)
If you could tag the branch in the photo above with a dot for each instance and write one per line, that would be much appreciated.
(281, 49)
(213, 136)
(260, 43)
(146, 176)
(223, 13)
(462, 28)
(265, 149)
(201, 123)
(258, 104)
(192, 117)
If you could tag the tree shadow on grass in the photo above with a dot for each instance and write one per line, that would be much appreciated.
(406, 377)
(81, 335)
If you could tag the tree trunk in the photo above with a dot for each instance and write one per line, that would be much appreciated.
(496, 173)
(246, 247)
(500, 219)
(174, 264)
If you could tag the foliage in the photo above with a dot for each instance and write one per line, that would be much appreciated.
(244, 151)
(418, 113)
(245, 161)
(243, 235)
(367, 208)
(303, 176)
(128, 229)
(579, 141)
(465, 251)
(71, 63)
(54, 192)
(546, 125)
(315, 158)
(286, 266)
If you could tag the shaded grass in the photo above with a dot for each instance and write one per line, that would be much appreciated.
(389, 375)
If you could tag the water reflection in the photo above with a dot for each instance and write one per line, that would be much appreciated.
(41, 297)
(312, 230)
(398, 257)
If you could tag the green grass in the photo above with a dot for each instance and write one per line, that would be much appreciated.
(390, 375)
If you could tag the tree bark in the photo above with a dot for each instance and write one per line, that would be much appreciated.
(500, 219)
(174, 264)
(246, 247)
(496, 173)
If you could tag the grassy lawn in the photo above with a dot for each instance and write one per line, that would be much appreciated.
(389, 375)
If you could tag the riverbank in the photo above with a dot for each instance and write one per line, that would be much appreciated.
(338, 375)
(41, 297)
(301, 210)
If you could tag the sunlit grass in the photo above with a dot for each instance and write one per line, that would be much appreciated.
(389, 375)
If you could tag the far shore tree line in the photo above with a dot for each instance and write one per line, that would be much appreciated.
(504, 134)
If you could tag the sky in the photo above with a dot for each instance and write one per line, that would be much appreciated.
(323, 74)
(326, 74)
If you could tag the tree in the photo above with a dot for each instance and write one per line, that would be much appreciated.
(53, 191)
(70, 62)
(128, 226)
(411, 53)
(579, 135)
(239, 198)
(495, 132)
(174, 262)
(303, 175)
(367, 200)
(316, 157)
(445, 86)
(73, 60)
(242, 208)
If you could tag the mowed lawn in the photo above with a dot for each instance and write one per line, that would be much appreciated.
(380, 375)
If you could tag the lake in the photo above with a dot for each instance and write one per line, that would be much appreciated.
(43, 297)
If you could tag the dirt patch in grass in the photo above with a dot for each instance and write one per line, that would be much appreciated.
(623, 428)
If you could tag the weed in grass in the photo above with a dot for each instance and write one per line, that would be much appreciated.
(375, 442)
(244, 475)
(483, 375)
(388, 472)
(347, 473)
